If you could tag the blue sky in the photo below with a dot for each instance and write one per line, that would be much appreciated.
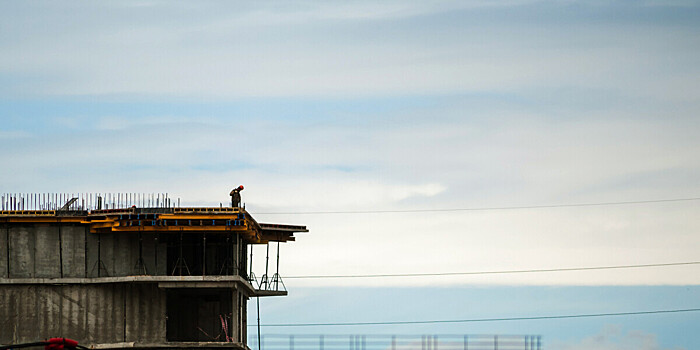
(393, 105)
(328, 305)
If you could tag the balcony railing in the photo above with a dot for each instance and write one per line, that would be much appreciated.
(394, 342)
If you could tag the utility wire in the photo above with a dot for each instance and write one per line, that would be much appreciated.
(552, 317)
(485, 208)
(497, 272)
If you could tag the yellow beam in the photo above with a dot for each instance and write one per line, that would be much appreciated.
(198, 217)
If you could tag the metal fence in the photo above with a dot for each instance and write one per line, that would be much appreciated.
(394, 342)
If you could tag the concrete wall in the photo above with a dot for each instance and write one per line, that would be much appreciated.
(93, 314)
(73, 262)
(42, 251)
(33, 251)
(4, 257)
(70, 250)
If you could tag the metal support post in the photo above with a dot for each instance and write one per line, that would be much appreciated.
(258, 302)
(140, 266)
(180, 263)
(204, 254)
(264, 281)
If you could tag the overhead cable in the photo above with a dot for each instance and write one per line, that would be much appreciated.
(529, 318)
(588, 268)
(570, 205)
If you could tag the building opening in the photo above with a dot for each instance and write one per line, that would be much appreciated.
(201, 254)
(199, 315)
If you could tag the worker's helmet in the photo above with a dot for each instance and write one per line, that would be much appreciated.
(240, 187)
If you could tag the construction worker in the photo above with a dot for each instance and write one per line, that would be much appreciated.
(236, 196)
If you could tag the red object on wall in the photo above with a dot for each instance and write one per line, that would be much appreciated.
(60, 344)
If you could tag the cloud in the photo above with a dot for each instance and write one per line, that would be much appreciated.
(346, 193)
(226, 50)
(445, 154)
(121, 123)
(367, 106)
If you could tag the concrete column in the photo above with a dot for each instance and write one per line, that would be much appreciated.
(244, 319)
(235, 309)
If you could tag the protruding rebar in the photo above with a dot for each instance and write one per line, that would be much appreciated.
(83, 201)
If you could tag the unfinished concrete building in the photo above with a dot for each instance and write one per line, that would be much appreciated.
(129, 271)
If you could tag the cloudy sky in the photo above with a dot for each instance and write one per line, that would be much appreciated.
(374, 106)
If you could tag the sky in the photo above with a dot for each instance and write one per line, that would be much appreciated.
(376, 106)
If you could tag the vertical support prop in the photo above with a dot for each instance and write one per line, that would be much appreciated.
(277, 270)
(204, 254)
(257, 299)
(250, 276)
(265, 281)
(99, 253)
(155, 253)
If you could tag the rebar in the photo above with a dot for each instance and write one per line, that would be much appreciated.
(83, 201)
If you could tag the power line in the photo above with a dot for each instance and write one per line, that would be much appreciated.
(531, 318)
(485, 208)
(497, 272)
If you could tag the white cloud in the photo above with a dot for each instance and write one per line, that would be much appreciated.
(339, 193)
(340, 49)
(428, 162)
(116, 123)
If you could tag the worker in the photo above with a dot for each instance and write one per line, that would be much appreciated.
(236, 196)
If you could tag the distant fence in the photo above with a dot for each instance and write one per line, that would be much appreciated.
(394, 342)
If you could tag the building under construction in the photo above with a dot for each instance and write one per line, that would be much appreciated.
(129, 271)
